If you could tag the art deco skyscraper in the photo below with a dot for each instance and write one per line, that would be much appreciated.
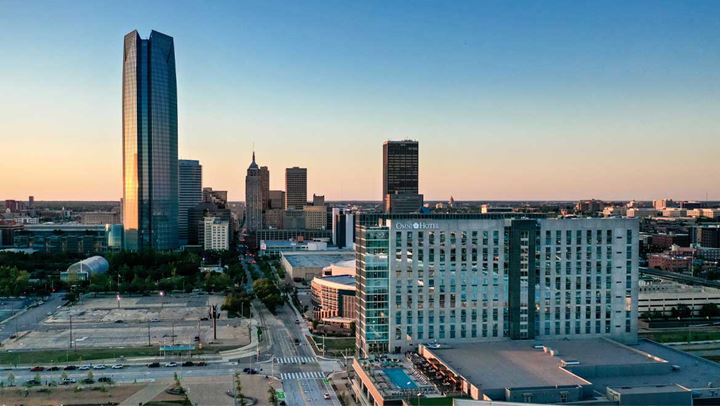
(190, 193)
(253, 197)
(400, 177)
(150, 149)
(295, 188)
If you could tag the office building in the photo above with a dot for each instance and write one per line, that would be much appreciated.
(265, 186)
(460, 278)
(273, 218)
(150, 143)
(315, 217)
(660, 297)
(295, 188)
(277, 199)
(253, 197)
(216, 235)
(400, 177)
(706, 235)
(196, 220)
(216, 197)
(343, 228)
(190, 193)
(294, 219)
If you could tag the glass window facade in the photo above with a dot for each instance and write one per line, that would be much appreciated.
(150, 157)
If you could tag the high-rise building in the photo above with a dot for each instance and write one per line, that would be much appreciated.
(216, 197)
(295, 188)
(190, 193)
(400, 177)
(460, 278)
(265, 186)
(277, 199)
(343, 228)
(253, 197)
(217, 234)
(150, 144)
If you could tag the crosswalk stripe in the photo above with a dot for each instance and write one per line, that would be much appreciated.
(302, 375)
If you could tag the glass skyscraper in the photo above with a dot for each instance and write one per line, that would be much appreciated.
(190, 193)
(150, 149)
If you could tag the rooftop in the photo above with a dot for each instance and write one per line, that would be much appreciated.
(317, 259)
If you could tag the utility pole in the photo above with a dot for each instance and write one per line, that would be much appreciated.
(148, 328)
(71, 333)
(173, 333)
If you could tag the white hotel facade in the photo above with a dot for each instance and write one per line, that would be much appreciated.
(452, 278)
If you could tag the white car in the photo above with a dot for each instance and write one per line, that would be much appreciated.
(170, 364)
(84, 367)
(118, 366)
(99, 366)
(326, 396)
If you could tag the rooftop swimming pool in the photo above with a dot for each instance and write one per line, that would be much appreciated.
(400, 378)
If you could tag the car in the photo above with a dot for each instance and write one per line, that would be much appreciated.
(297, 341)
(70, 368)
(204, 319)
(297, 321)
(37, 369)
(53, 369)
(326, 396)
(88, 381)
(170, 364)
(118, 366)
(201, 364)
(84, 367)
(99, 366)
(154, 365)
(246, 370)
(154, 320)
(119, 321)
(68, 381)
(188, 364)
(33, 382)
(105, 379)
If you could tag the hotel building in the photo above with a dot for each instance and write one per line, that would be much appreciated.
(460, 278)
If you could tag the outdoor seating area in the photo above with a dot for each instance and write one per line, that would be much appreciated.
(438, 375)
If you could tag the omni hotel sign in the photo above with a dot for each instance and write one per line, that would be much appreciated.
(416, 226)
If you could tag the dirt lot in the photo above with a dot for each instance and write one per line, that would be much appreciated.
(211, 390)
(99, 323)
(66, 396)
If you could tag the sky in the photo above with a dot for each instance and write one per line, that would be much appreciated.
(510, 100)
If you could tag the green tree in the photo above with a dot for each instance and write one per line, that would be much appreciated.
(709, 310)
(13, 281)
(11, 379)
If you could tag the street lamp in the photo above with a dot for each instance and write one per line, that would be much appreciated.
(162, 302)
(118, 300)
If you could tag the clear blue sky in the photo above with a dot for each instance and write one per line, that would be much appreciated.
(509, 100)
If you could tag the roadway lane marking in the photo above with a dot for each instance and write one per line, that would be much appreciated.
(304, 375)
(294, 360)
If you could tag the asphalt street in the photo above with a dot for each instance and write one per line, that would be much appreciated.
(30, 319)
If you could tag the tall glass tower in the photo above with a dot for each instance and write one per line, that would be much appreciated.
(150, 149)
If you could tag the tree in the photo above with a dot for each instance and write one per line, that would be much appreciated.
(272, 396)
(90, 376)
(238, 390)
(11, 379)
(63, 376)
(13, 281)
(709, 310)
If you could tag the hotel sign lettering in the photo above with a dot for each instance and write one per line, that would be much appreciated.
(416, 226)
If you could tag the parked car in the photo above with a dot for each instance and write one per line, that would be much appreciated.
(68, 381)
(70, 368)
(33, 382)
(201, 364)
(154, 365)
(188, 364)
(84, 367)
(53, 369)
(170, 364)
(88, 381)
(37, 369)
(326, 396)
(99, 366)
(118, 366)
(105, 379)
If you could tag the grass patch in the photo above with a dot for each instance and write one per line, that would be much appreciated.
(681, 336)
(335, 344)
(48, 357)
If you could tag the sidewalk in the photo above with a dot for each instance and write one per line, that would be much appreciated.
(145, 394)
